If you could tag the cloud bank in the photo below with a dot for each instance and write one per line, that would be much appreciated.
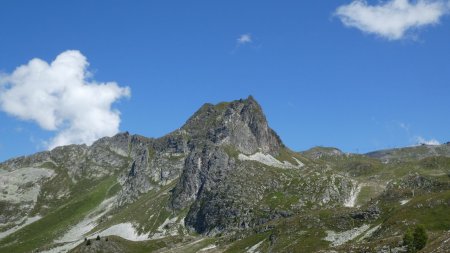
(420, 140)
(392, 19)
(60, 96)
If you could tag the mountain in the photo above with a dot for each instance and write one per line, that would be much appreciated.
(223, 182)
(411, 153)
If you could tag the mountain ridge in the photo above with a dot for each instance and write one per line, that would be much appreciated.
(224, 175)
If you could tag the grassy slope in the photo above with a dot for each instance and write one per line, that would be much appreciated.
(173, 244)
(130, 246)
(432, 210)
(149, 211)
(44, 231)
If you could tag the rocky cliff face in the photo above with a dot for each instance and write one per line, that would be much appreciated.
(216, 133)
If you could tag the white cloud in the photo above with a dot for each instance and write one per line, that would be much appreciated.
(420, 140)
(244, 39)
(404, 126)
(61, 97)
(392, 19)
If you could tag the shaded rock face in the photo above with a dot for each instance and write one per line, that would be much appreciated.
(136, 181)
(373, 212)
(152, 163)
(203, 170)
(214, 212)
(200, 188)
(240, 125)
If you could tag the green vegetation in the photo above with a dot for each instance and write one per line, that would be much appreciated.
(431, 210)
(420, 238)
(174, 244)
(366, 193)
(287, 155)
(45, 230)
(231, 151)
(222, 106)
(151, 153)
(415, 240)
(150, 211)
(49, 199)
(280, 200)
(247, 242)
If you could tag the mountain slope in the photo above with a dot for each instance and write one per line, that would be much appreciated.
(223, 182)
(411, 153)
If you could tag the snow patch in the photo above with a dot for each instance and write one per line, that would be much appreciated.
(300, 164)
(165, 230)
(369, 233)
(27, 222)
(181, 222)
(212, 246)
(126, 231)
(339, 238)
(269, 161)
(255, 247)
(404, 201)
(166, 222)
(75, 235)
(351, 201)
(184, 246)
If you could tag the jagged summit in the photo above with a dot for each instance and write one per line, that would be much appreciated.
(240, 123)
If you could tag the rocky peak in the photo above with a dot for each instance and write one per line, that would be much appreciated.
(240, 123)
(319, 152)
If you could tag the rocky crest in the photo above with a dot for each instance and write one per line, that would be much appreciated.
(240, 124)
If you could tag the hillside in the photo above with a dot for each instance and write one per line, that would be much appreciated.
(223, 182)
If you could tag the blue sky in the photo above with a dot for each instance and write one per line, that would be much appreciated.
(325, 72)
